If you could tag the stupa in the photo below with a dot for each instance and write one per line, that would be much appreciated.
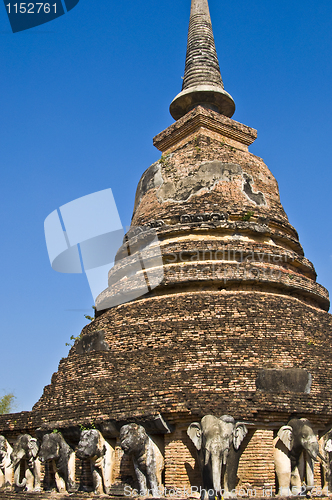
(238, 325)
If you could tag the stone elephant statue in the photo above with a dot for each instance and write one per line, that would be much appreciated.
(218, 440)
(295, 449)
(26, 463)
(325, 448)
(6, 466)
(101, 455)
(147, 458)
(56, 451)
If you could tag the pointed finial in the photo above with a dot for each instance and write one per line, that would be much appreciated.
(202, 83)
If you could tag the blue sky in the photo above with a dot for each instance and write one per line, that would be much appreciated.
(81, 99)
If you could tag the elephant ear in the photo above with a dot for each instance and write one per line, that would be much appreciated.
(285, 434)
(239, 433)
(194, 431)
(328, 445)
(33, 447)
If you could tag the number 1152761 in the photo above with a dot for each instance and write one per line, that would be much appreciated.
(31, 8)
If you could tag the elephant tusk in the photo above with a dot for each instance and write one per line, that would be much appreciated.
(322, 458)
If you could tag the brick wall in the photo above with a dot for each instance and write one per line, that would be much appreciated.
(181, 468)
(171, 354)
(256, 469)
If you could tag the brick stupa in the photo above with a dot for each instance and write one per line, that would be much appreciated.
(238, 326)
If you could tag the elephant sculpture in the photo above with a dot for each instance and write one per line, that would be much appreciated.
(92, 446)
(147, 458)
(6, 467)
(218, 440)
(295, 449)
(325, 447)
(26, 463)
(56, 451)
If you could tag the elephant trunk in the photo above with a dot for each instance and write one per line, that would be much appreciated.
(17, 474)
(216, 473)
(312, 448)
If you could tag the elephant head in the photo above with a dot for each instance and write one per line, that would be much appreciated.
(50, 448)
(297, 436)
(133, 439)
(90, 445)
(25, 447)
(214, 438)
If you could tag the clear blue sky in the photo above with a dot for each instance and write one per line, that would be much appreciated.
(81, 99)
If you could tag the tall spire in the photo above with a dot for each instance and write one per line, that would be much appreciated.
(202, 83)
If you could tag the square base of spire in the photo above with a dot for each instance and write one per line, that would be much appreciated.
(210, 123)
